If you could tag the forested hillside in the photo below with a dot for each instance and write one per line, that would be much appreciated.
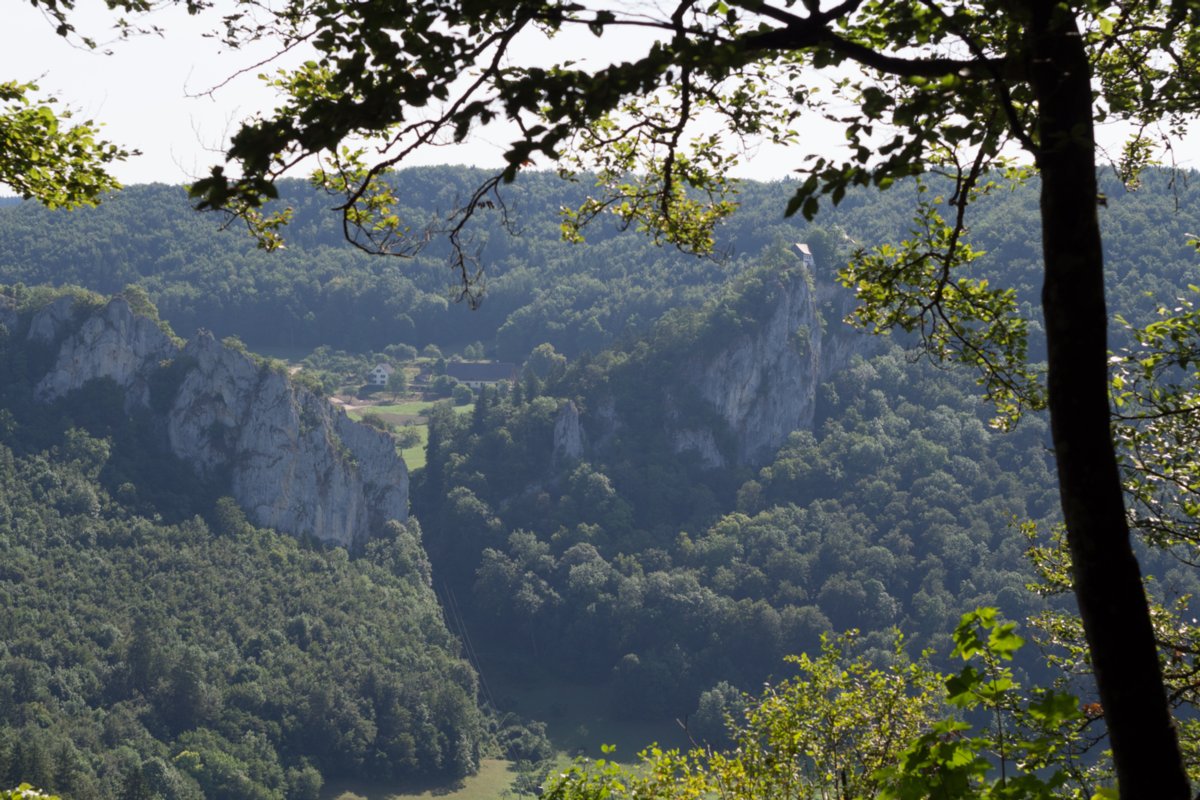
(156, 642)
(659, 577)
(320, 291)
(579, 517)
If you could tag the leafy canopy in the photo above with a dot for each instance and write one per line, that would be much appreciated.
(44, 157)
(846, 728)
(918, 86)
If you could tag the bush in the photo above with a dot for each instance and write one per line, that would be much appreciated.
(25, 792)
(376, 421)
(401, 352)
(304, 783)
(408, 436)
(719, 706)
(443, 385)
(526, 742)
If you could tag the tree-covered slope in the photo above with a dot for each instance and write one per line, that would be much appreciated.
(320, 291)
(660, 576)
(632, 563)
(152, 638)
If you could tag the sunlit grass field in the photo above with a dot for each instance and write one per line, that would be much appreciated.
(411, 412)
(414, 456)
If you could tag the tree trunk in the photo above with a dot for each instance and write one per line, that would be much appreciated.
(1108, 585)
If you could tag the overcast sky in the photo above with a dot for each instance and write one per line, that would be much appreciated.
(151, 94)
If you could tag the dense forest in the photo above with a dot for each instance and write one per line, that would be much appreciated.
(664, 578)
(155, 636)
(156, 644)
(319, 291)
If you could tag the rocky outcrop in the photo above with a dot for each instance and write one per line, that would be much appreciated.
(701, 443)
(764, 382)
(292, 461)
(51, 321)
(839, 341)
(757, 380)
(112, 343)
(569, 441)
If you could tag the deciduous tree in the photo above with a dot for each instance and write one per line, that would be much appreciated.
(932, 87)
(45, 157)
(397, 382)
(44, 154)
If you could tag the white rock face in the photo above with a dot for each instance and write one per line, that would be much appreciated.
(568, 435)
(293, 462)
(701, 443)
(52, 319)
(764, 383)
(113, 343)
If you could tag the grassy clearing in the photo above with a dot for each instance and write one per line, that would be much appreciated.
(409, 408)
(414, 456)
(494, 777)
(396, 419)
(407, 414)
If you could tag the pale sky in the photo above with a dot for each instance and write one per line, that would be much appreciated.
(150, 94)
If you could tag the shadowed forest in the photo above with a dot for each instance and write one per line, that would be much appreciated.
(155, 641)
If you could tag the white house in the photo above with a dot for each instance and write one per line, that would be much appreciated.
(379, 374)
(805, 254)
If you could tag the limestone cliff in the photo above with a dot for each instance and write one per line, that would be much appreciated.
(756, 376)
(763, 383)
(569, 441)
(111, 343)
(292, 461)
